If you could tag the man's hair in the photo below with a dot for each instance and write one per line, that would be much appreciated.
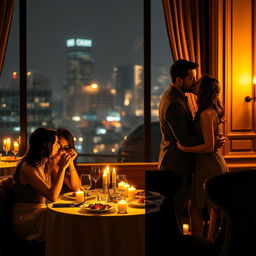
(180, 68)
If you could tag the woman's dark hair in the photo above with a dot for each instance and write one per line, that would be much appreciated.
(209, 97)
(67, 135)
(40, 146)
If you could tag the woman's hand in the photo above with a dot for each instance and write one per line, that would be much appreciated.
(73, 153)
(180, 147)
(64, 160)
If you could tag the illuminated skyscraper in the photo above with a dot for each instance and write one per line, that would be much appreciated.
(128, 82)
(79, 71)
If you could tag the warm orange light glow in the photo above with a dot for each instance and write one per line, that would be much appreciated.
(185, 229)
(94, 85)
(254, 80)
(245, 79)
(14, 75)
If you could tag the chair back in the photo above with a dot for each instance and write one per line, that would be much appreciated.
(6, 202)
(235, 194)
(162, 229)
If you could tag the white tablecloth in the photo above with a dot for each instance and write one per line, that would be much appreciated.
(72, 232)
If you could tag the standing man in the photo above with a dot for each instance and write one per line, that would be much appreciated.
(176, 124)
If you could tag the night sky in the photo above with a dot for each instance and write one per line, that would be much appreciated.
(115, 26)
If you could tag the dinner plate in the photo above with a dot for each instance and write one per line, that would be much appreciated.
(136, 204)
(71, 196)
(154, 195)
(85, 208)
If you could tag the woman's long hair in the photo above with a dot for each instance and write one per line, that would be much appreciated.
(66, 134)
(209, 97)
(40, 147)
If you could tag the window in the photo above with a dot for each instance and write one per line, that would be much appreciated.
(85, 70)
(9, 87)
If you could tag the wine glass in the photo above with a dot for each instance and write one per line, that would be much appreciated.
(86, 182)
(121, 178)
(15, 148)
(95, 175)
(7, 146)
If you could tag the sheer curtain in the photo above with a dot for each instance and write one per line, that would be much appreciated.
(191, 28)
(6, 12)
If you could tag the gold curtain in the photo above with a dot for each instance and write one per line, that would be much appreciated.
(190, 27)
(6, 12)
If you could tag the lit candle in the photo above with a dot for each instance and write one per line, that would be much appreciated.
(104, 177)
(108, 176)
(185, 229)
(79, 196)
(121, 185)
(122, 206)
(114, 176)
(8, 144)
(126, 187)
(15, 146)
(131, 193)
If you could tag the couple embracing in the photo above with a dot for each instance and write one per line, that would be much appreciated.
(189, 147)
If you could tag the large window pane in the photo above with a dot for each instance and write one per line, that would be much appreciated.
(85, 62)
(9, 87)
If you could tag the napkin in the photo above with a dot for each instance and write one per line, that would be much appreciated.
(63, 205)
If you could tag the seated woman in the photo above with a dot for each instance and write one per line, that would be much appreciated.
(33, 183)
(67, 145)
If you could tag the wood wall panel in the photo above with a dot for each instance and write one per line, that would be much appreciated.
(241, 145)
(241, 65)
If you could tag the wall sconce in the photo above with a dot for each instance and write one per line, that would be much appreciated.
(248, 98)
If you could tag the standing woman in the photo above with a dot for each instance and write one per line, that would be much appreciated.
(209, 162)
(33, 184)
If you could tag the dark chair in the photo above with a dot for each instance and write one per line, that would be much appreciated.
(235, 194)
(9, 244)
(162, 230)
(163, 234)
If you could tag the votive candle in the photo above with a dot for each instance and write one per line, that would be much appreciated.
(122, 206)
(79, 196)
(131, 193)
(185, 229)
(126, 187)
(121, 185)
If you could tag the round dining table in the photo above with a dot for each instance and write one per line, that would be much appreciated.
(75, 231)
(7, 167)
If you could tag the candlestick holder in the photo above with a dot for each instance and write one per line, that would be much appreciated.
(105, 188)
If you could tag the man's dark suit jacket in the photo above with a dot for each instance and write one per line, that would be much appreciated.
(174, 115)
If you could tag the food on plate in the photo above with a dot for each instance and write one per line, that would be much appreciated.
(98, 206)
(141, 200)
(144, 193)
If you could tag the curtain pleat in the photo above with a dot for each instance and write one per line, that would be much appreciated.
(188, 24)
(6, 13)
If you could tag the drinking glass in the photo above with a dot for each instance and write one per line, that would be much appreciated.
(102, 196)
(95, 174)
(6, 147)
(86, 182)
(15, 150)
(121, 177)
